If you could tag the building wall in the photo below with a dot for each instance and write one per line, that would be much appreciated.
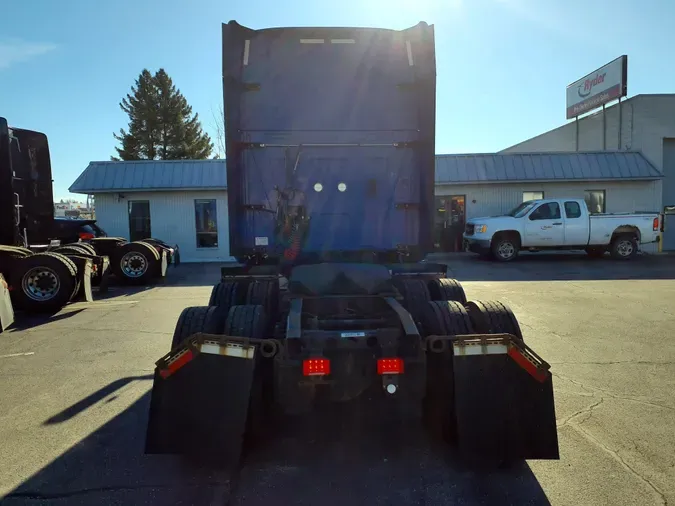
(172, 219)
(495, 199)
(647, 125)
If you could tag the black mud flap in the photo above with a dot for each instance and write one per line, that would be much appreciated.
(6, 310)
(201, 410)
(504, 407)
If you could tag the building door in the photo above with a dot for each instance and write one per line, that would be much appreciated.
(139, 220)
(449, 223)
(668, 228)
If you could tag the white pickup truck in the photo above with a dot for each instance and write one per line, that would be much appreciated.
(561, 224)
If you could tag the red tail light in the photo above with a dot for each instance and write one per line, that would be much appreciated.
(316, 367)
(86, 235)
(656, 224)
(390, 366)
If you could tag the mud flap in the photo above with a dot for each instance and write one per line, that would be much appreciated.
(201, 410)
(504, 407)
(6, 309)
(84, 273)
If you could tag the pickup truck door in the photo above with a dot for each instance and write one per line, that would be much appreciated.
(576, 224)
(544, 226)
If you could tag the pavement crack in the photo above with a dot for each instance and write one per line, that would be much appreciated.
(613, 395)
(615, 454)
(587, 410)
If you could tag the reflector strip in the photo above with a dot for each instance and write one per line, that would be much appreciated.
(229, 350)
(316, 367)
(390, 366)
(312, 41)
(408, 48)
(478, 348)
(342, 41)
(247, 47)
(176, 363)
(526, 364)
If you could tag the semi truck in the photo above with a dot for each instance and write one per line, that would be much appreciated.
(41, 274)
(330, 138)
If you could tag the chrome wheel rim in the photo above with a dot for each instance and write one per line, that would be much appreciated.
(506, 250)
(134, 264)
(40, 284)
(624, 248)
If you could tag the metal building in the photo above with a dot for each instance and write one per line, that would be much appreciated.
(644, 123)
(182, 202)
(185, 202)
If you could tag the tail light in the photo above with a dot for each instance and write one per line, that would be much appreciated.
(316, 367)
(655, 225)
(390, 366)
(176, 363)
(86, 235)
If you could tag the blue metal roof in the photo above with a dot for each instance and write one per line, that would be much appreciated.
(104, 177)
(545, 167)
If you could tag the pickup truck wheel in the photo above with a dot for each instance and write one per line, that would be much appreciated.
(624, 247)
(505, 249)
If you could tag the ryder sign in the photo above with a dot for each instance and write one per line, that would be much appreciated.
(597, 88)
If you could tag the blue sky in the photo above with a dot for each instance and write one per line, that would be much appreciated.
(503, 65)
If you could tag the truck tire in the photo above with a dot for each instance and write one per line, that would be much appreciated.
(15, 251)
(446, 289)
(74, 249)
(135, 262)
(492, 317)
(624, 247)
(106, 246)
(415, 296)
(505, 248)
(264, 293)
(43, 282)
(225, 294)
(85, 246)
(446, 318)
(196, 319)
(246, 321)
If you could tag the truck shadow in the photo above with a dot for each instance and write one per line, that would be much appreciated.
(545, 266)
(299, 466)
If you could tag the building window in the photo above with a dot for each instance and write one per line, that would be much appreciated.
(206, 223)
(139, 220)
(532, 196)
(595, 201)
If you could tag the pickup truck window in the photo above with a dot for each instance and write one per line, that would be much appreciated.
(521, 210)
(572, 210)
(548, 211)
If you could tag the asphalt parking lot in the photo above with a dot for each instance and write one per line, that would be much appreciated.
(74, 395)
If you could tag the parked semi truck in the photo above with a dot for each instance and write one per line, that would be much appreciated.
(561, 224)
(330, 166)
(41, 274)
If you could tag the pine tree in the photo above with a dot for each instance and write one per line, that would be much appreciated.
(161, 123)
